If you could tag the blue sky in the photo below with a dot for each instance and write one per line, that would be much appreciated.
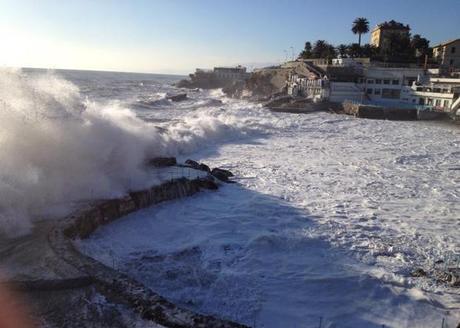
(175, 36)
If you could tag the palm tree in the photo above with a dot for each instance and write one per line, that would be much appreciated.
(360, 26)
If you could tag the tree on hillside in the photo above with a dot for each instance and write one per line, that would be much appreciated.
(420, 45)
(398, 48)
(306, 52)
(342, 49)
(369, 51)
(354, 50)
(322, 49)
(360, 26)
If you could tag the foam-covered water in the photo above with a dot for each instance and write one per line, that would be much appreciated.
(330, 216)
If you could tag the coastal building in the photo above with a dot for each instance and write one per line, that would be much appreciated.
(386, 85)
(447, 54)
(231, 73)
(381, 34)
(437, 93)
(299, 85)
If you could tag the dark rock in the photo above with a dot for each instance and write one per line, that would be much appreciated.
(197, 166)
(454, 276)
(204, 167)
(418, 273)
(222, 175)
(226, 173)
(179, 97)
(193, 164)
(162, 161)
(451, 276)
(208, 184)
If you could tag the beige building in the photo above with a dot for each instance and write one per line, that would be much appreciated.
(380, 34)
(448, 53)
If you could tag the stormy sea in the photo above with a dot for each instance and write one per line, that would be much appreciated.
(328, 221)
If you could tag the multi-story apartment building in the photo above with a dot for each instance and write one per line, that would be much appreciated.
(380, 35)
(448, 53)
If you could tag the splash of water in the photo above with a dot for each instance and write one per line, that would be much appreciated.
(57, 147)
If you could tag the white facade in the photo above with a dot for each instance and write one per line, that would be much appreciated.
(436, 93)
(389, 85)
(301, 86)
(384, 86)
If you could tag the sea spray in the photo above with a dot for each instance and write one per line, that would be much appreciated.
(58, 147)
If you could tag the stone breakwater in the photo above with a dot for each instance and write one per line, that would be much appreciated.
(118, 287)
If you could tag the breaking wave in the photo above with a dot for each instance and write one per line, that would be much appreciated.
(59, 147)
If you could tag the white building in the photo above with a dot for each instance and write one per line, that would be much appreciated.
(302, 86)
(388, 85)
(442, 94)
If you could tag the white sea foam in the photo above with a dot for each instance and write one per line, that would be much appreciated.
(332, 215)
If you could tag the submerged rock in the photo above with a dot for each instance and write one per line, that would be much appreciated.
(418, 273)
(179, 97)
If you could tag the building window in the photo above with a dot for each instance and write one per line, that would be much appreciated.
(395, 82)
(451, 62)
(370, 81)
(377, 91)
(391, 93)
(378, 81)
(386, 81)
(438, 102)
(421, 101)
(429, 102)
(369, 91)
(446, 103)
(452, 50)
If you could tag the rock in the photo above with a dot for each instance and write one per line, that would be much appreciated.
(204, 167)
(179, 97)
(454, 276)
(418, 273)
(197, 166)
(193, 164)
(451, 276)
(208, 184)
(162, 161)
(227, 173)
(222, 174)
